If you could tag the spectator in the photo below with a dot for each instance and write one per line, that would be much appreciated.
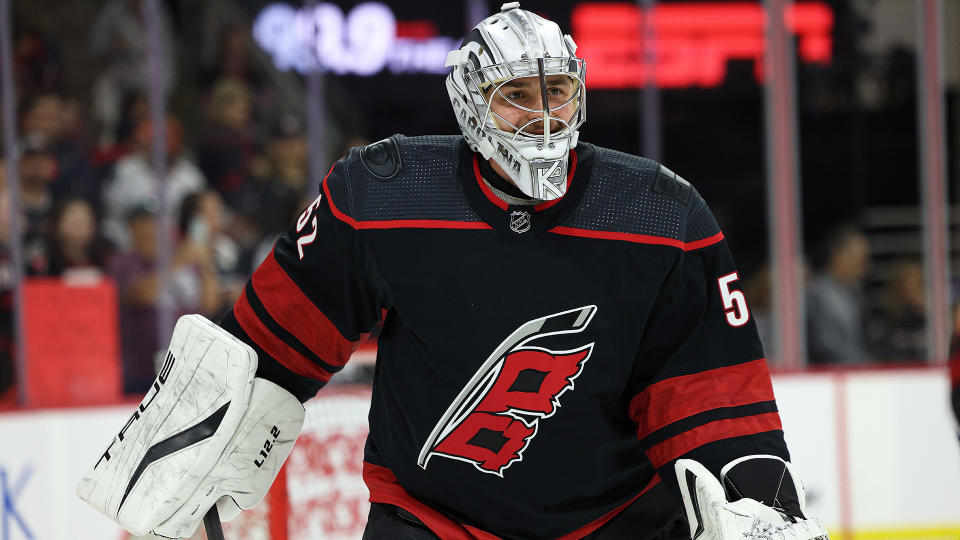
(760, 299)
(265, 247)
(36, 61)
(74, 244)
(898, 331)
(835, 307)
(49, 118)
(118, 37)
(202, 221)
(191, 288)
(227, 151)
(234, 58)
(276, 192)
(134, 110)
(38, 169)
(7, 377)
(134, 182)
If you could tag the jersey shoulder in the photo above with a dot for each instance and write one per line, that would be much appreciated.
(401, 179)
(634, 195)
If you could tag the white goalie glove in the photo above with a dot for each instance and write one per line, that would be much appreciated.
(208, 432)
(720, 512)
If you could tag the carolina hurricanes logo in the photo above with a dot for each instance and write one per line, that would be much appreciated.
(497, 413)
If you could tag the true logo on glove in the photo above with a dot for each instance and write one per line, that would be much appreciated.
(147, 400)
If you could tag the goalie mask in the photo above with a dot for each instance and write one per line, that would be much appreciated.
(518, 94)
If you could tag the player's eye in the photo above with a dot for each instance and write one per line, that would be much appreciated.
(515, 96)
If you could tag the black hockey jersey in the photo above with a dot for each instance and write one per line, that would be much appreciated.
(539, 368)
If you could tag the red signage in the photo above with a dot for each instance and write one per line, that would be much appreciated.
(692, 42)
(72, 342)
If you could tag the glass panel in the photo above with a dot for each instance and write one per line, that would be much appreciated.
(861, 206)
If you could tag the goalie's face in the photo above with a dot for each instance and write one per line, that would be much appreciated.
(517, 105)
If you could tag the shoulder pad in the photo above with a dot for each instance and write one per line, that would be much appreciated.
(402, 179)
(382, 158)
(669, 183)
(635, 195)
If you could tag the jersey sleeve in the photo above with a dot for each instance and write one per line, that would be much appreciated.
(310, 303)
(700, 387)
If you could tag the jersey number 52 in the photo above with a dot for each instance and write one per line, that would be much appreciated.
(734, 302)
(308, 238)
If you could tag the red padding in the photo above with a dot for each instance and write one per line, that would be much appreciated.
(384, 488)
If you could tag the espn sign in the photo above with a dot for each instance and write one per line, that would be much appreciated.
(691, 41)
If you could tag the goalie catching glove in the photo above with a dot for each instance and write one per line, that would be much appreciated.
(208, 432)
(721, 512)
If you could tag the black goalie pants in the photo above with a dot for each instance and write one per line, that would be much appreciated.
(388, 522)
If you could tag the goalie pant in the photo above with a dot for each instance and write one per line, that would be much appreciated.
(539, 368)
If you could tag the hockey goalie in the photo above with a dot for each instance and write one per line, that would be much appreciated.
(565, 350)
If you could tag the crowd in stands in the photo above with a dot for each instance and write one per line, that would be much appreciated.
(89, 201)
(89, 193)
(844, 327)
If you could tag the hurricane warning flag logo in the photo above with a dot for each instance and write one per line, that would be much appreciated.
(497, 413)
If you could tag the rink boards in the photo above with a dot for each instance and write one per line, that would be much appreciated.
(877, 450)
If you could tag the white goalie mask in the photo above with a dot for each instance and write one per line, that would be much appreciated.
(518, 93)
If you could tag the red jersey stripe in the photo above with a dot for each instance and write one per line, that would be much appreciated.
(421, 224)
(678, 445)
(274, 346)
(954, 366)
(502, 204)
(602, 520)
(384, 488)
(676, 398)
(639, 238)
(293, 311)
(708, 241)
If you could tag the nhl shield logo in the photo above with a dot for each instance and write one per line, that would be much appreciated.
(520, 221)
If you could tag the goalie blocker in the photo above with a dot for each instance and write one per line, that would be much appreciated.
(208, 432)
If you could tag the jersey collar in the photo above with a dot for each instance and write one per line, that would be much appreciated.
(540, 217)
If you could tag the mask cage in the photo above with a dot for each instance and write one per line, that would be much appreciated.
(498, 75)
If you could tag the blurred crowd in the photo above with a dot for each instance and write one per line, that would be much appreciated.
(235, 178)
(89, 195)
(848, 321)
